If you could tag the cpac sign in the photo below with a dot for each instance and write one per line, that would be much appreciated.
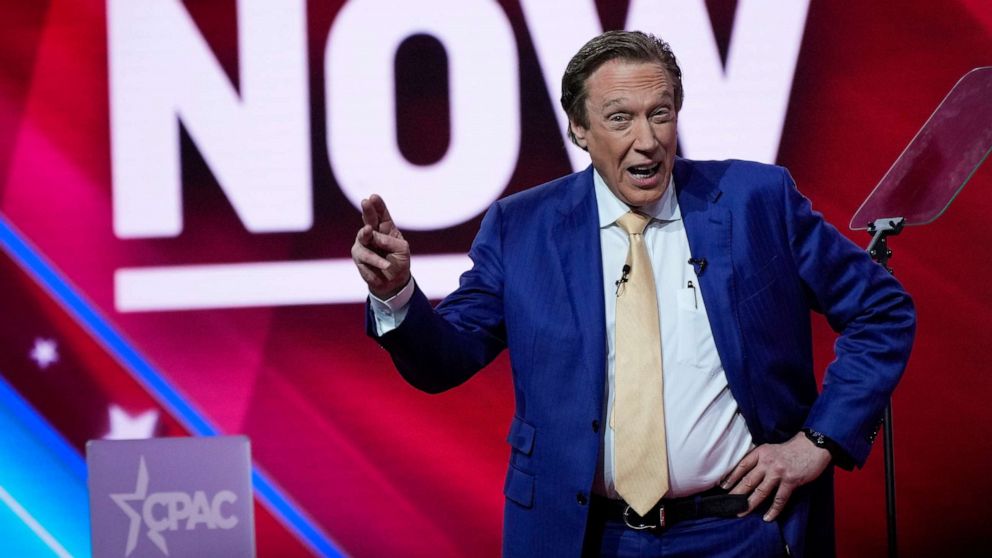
(195, 509)
(190, 497)
(258, 142)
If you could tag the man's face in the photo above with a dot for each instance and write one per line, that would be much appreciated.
(631, 136)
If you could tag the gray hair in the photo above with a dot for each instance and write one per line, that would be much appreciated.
(613, 45)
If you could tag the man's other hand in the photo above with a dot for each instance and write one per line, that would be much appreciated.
(776, 470)
(380, 252)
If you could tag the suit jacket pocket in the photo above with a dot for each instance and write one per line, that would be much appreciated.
(519, 487)
(521, 436)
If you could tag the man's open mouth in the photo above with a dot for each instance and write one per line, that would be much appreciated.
(644, 171)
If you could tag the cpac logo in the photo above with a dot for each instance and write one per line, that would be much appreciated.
(171, 511)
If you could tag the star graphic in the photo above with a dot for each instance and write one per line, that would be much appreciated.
(126, 427)
(140, 491)
(45, 352)
(139, 494)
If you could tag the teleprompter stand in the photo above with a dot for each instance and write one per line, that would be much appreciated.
(917, 189)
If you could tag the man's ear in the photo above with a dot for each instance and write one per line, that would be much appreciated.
(579, 132)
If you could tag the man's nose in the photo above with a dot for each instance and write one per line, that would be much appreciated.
(645, 138)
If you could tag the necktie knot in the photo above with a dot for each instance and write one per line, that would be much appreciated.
(633, 222)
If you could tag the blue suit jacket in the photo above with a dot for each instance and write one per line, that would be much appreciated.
(536, 288)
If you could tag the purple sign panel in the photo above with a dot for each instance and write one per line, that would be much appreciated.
(172, 497)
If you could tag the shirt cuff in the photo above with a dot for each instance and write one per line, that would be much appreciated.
(389, 314)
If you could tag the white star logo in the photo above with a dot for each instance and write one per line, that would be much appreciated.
(139, 494)
(126, 427)
(45, 352)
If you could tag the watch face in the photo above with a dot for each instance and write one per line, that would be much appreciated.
(816, 437)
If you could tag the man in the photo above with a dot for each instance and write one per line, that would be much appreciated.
(687, 425)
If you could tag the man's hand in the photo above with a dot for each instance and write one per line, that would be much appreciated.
(776, 469)
(380, 253)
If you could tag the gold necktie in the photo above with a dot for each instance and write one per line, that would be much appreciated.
(638, 410)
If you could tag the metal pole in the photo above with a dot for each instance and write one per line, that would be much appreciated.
(890, 484)
(879, 251)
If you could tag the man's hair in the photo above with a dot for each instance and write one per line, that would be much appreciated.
(633, 46)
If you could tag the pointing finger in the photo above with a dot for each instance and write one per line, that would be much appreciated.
(385, 220)
(369, 214)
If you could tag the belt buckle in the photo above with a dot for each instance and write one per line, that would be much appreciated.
(641, 526)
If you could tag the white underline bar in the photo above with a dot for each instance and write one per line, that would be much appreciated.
(242, 285)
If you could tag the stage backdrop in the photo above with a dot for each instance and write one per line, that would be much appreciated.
(178, 192)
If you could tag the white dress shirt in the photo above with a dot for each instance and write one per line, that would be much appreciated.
(705, 431)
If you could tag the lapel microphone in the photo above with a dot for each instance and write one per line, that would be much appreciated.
(623, 277)
(699, 264)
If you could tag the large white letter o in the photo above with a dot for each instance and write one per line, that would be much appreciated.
(484, 99)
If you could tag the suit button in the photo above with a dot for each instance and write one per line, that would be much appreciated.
(581, 498)
(595, 426)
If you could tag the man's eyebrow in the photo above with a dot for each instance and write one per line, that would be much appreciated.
(665, 95)
(614, 101)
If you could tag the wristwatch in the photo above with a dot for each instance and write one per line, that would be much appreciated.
(818, 438)
(837, 454)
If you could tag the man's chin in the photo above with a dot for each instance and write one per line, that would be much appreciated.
(639, 197)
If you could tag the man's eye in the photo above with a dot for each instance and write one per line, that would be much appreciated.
(661, 115)
(618, 118)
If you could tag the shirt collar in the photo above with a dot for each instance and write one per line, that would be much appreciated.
(611, 208)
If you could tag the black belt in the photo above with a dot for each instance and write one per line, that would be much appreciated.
(712, 503)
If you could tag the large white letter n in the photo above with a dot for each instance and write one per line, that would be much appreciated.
(257, 142)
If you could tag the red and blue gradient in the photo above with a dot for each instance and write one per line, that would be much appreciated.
(349, 459)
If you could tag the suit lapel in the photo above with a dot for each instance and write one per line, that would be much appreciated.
(708, 228)
(578, 247)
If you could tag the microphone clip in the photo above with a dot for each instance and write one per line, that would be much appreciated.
(699, 264)
(623, 278)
